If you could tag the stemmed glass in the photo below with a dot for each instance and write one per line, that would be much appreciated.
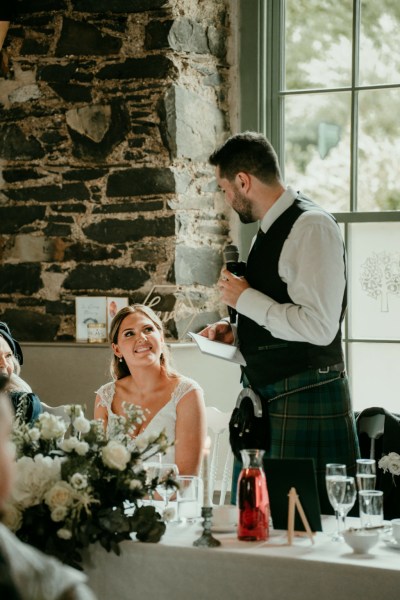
(335, 476)
(166, 472)
(366, 474)
(347, 501)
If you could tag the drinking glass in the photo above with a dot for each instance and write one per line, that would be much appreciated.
(366, 474)
(347, 501)
(189, 496)
(167, 473)
(335, 475)
(152, 469)
(371, 508)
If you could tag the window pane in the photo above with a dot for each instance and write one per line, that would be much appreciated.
(374, 379)
(379, 150)
(374, 280)
(380, 42)
(317, 147)
(318, 44)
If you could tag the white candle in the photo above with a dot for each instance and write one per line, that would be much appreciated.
(206, 453)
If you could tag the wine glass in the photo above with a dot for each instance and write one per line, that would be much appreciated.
(347, 501)
(167, 473)
(335, 475)
(366, 474)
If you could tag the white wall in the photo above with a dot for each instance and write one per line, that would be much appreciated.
(68, 373)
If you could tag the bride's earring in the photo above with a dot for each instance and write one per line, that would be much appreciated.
(121, 359)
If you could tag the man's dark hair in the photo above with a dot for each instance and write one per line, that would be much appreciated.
(250, 152)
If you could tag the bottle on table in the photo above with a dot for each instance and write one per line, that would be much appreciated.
(253, 499)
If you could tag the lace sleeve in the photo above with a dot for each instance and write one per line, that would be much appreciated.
(185, 386)
(106, 394)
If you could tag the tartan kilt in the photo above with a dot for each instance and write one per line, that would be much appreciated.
(317, 422)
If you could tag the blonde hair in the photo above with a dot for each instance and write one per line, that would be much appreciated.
(119, 369)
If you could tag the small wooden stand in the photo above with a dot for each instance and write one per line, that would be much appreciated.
(294, 503)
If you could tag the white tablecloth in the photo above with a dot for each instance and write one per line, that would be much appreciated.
(174, 569)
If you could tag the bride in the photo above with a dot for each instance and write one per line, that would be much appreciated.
(143, 376)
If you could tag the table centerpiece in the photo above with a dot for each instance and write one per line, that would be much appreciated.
(73, 484)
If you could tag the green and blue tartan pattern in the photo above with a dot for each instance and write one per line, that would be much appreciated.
(316, 422)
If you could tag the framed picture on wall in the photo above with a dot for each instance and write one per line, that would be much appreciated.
(89, 309)
(113, 306)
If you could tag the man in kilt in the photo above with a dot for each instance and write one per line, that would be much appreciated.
(290, 305)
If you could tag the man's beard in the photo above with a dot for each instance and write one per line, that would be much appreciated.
(243, 207)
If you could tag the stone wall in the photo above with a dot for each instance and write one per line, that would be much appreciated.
(108, 112)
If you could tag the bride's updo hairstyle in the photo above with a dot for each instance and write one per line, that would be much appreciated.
(120, 369)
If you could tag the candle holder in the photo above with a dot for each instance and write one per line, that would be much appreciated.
(206, 538)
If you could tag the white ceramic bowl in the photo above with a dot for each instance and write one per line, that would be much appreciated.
(361, 541)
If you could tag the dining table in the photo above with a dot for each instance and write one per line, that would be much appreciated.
(308, 568)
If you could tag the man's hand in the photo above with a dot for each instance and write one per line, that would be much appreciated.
(231, 287)
(221, 331)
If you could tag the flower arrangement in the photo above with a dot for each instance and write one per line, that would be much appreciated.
(73, 484)
(390, 462)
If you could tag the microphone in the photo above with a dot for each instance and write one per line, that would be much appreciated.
(238, 268)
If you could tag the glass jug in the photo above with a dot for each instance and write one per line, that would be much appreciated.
(253, 500)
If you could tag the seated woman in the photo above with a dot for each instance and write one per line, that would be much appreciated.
(142, 376)
(27, 405)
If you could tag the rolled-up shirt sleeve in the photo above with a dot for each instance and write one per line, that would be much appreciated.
(312, 265)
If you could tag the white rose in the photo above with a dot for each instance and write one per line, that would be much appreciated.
(12, 517)
(79, 481)
(82, 425)
(82, 448)
(58, 514)
(394, 463)
(61, 494)
(384, 463)
(115, 455)
(34, 477)
(64, 534)
(168, 514)
(34, 434)
(69, 444)
(51, 427)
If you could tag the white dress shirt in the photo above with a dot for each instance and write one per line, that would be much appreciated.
(312, 265)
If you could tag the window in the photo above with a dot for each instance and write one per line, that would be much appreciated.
(322, 81)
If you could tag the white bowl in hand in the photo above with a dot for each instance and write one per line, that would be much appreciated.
(360, 540)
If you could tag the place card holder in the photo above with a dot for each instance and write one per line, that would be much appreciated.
(294, 503)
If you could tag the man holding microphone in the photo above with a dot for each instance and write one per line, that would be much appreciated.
(290, 305)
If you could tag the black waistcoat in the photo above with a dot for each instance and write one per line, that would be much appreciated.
(268, 358)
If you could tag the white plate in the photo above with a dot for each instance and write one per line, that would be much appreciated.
(391, 542)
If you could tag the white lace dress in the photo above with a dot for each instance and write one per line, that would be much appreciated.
(165, 419)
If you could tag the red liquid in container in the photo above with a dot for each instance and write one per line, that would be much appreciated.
(253, 500)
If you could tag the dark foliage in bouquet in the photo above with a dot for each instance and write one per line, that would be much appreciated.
(74, 485)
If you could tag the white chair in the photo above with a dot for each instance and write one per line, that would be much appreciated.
(221, 463)
(58, 411)
(373, 424)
